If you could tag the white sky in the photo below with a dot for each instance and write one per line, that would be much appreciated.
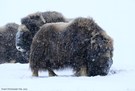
(117, 17)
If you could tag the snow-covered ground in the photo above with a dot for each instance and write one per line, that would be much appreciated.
(17, 77)
(116, 17)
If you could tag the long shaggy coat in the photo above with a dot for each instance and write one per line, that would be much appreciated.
(80, 44)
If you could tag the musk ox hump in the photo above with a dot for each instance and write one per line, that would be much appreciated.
(82, 22)
(59, 26)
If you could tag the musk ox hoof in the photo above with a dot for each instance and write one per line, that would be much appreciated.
(51, 73)
(81, 72)
(35, 73)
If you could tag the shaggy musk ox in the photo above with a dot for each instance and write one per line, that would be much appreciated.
(80, 44)
(8, 51)
(30, 25)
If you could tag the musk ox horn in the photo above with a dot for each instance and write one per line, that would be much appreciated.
(23, 28)
(42, 18)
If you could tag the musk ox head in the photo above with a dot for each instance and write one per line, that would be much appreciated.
(31, 24)
(101, 54)
(8, 51)
(23, 40)
(80, 44)
(96, 44)
(93, 45)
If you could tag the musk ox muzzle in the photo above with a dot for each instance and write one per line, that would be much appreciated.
(22, 44)
(23, 40)
(100, 68)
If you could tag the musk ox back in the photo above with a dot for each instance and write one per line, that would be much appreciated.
(30, 25)
(80, 44)
(8, 51)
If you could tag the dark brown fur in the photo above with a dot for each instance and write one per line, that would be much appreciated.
(8, 51)
(80, 44)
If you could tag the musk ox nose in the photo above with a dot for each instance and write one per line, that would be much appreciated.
(20, 49)
(107, 67)
(109, 63)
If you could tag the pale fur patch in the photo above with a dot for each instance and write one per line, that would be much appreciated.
(107, 37)
(2, 29)
(83, 71)
(12, 61)
(60, 26)
(23, 28)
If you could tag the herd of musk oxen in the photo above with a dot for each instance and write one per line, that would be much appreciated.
(49, 41)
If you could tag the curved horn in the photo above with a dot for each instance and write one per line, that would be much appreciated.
(23, 28)
(42, 18)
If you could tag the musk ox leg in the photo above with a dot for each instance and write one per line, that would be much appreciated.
(51, 72)
(82, 71)
(35, 72)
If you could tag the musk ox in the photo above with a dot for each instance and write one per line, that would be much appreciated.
(80, 44)
(30, 25)
(8, 51)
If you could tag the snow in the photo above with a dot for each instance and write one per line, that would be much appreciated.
(116, 17)
(18, 77)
